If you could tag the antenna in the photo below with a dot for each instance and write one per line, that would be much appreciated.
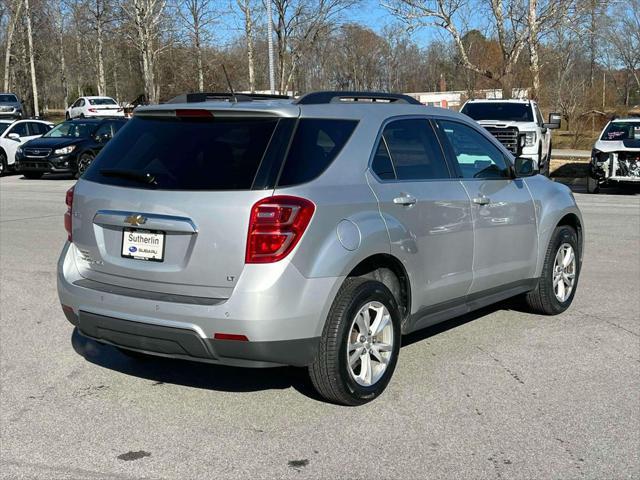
(233, 95)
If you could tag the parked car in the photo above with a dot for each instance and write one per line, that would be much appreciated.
(615, 158)
(10, 106)
(310, 232)
(69, 148)
(518, 125)
(13, 135)
(91, 107)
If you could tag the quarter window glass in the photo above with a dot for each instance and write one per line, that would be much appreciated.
(414, 150)
(381, 164)
(475, 154)
(316, 143)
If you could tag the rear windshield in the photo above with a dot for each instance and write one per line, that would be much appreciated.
(72, 129)
(622, 131)
(507, 112)
(184, 154)
(102, 101)
(219, 153)
(8, 98)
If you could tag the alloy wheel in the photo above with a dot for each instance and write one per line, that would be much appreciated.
(564, 272)
(370, 344)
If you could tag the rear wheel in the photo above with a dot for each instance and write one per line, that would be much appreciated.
(83, 163)
(559, 279)
(359, 345)
(3, 163)
(33, 175)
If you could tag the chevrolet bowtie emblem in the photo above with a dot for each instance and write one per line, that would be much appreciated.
(135, 220)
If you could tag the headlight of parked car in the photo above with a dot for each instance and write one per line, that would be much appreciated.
(65, 150)
(529, 139)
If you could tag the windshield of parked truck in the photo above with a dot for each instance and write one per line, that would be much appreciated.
(504, 111)
(622, 131)
(72, 129)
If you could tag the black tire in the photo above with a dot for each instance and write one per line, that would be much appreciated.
(33, 175)
(593, 186)
(330, 373)
(3, 163)
(542, 299)
(82, 115)
(83, 163)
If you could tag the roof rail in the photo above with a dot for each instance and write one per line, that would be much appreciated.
(318, 98)
(224, 96)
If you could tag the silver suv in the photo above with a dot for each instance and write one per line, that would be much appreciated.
(312, 232)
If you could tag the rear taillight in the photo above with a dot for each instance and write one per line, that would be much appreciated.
(275, 227)
(67, 216)
(93, 110)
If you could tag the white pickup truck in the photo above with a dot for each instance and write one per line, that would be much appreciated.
(518, 125)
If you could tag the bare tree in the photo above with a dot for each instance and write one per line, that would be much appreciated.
(298, 24)
(147, 16)
(198, 15)
(32, 65)
(100, 14)
(13, 19)
(247, 9)
(507, 20)
(59, 21)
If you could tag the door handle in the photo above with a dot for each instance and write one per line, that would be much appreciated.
(482, 200)
(405, 200)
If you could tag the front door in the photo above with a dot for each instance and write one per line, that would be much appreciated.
(504, 220)
(426, 210)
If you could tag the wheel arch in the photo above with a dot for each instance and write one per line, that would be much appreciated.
(390, 271)
(572, 220)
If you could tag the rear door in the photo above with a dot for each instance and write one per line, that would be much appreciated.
(504, 220)
(426, 211)
(165, 207)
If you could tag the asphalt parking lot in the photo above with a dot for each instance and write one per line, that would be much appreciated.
(498, 394)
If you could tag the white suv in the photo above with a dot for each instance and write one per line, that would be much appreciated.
(88, 107)
(518, 125)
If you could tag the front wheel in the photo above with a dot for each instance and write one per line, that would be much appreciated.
(3, 163)
(359, 345)
(559, 279)
(593, 186)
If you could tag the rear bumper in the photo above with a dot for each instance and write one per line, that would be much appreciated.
(282, 319)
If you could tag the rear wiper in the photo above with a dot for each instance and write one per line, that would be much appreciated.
(129, 175)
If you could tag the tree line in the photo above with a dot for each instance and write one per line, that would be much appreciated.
(573, 55)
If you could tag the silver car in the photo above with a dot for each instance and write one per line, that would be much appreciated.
(312, 232)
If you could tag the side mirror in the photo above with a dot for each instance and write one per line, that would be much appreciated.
(525, 167)
(14, 136)
(554, 121)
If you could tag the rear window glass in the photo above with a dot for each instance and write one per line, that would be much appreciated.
(316, 143)
(102, 101)
(507, 112)
(184, 154)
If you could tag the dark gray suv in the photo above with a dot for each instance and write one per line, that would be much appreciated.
(10, 106)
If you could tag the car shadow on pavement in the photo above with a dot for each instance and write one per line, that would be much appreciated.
(192, 374)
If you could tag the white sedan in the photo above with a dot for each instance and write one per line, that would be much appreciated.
(14, 134)
(89, 107)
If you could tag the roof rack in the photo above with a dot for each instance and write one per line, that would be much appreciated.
(318, 98)
(224, 96)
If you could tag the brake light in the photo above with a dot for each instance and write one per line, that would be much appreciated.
(93, 110)
(276, 226)
(67, 216)
(194, 113)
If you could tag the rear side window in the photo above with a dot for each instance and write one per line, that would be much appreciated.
(184, 153)
(414, 151)
(316, 143)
